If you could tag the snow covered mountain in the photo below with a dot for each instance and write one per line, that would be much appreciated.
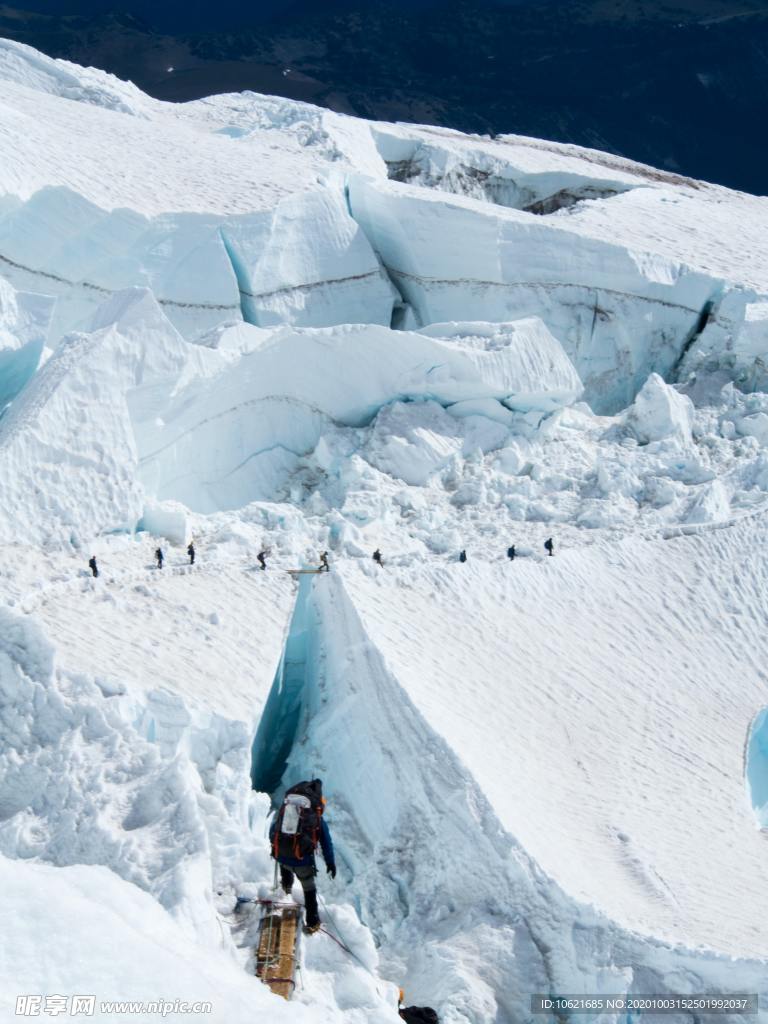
(262, 325)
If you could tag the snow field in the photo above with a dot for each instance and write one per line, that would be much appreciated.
(598, 727)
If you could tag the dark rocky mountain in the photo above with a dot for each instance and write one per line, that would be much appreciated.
(681, 84)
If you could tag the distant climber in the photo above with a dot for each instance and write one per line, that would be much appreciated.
(377, 558)
(294, 835)
(261, 558)
(324, 562)
(549, 546)
(159, 557)
(511, 552)
(191, 552)
(462, 555)
(92, 566)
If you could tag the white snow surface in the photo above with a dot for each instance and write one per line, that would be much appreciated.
(266, 327)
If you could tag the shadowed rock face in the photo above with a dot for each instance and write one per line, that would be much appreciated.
(657, 81)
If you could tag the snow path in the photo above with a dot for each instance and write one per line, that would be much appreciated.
(602, 700)
(212, 631)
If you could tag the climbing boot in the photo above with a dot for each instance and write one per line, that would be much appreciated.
(286, 880)
(313, 917)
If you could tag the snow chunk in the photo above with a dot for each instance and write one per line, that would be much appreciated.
(524, 355)
(660, 412)
(488, 407)
(168, 519)
(413, 441)
(754, 425)
(712, 505)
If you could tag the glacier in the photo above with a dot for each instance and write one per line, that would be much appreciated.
(266, 327)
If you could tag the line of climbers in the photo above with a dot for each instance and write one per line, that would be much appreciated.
(93, 565)
(297, 829)
(261, 558)
(549, 547)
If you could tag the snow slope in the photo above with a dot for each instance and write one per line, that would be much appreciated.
(263, 326)
(624, 782)
(426, 852)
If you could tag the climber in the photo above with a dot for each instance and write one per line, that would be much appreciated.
(462, 555)
(159, 557)
(377, 558)
(294, 835)
(261, 558)
(324, 562)
(191, 552)
(92, 566)
(549, 546)
(511, 552)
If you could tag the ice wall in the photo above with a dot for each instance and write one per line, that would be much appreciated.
(619, 314)
(303, 262)
(59, 243)
(130, 411)
(306, 262)
(237, 437)
(283, 718)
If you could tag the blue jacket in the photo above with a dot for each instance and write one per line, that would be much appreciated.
(326, 845)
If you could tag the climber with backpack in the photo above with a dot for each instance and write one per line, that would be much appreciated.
(294, 834)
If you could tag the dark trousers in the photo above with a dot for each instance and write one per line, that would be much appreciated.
(307, 878)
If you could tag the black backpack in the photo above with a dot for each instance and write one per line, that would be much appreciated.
(419, 1015)
(297, 828)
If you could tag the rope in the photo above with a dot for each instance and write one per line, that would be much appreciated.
(339, 941)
